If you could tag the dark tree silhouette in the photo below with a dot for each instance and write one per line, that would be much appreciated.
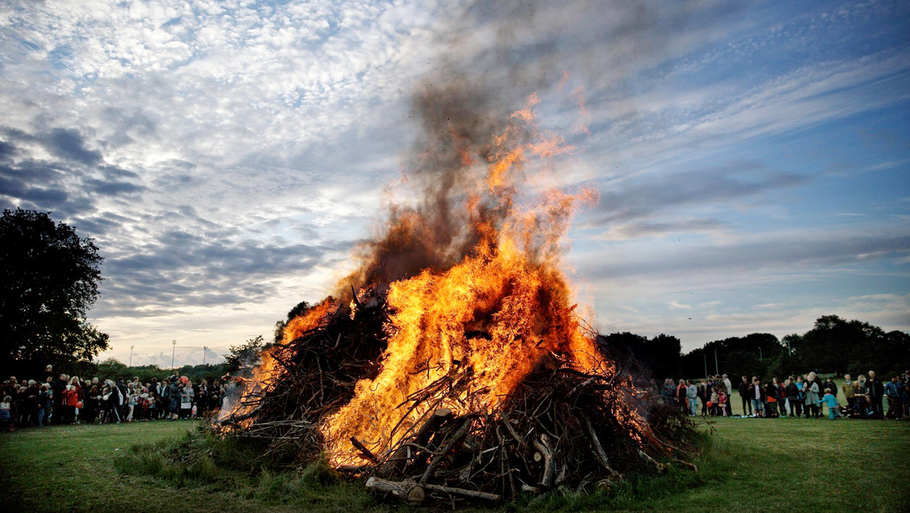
(49, 281)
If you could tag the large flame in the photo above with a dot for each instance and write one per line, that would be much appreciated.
(488, 301)
(496, 315)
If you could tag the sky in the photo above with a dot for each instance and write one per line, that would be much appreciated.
(752, 158)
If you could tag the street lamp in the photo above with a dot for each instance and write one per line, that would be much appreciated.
(174, 350)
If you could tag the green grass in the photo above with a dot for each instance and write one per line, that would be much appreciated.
(751, 465)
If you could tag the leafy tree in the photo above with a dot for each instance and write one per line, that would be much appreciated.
(49, 281)
(297, 311)
(243, 355)
(660, 354)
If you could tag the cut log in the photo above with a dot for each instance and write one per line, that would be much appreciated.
(436, 420)
(542, 444)
(414, 494)
(407, 491)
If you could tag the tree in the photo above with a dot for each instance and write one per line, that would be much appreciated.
(244, 355)
(660, 354)
(49, 281)
(295, 312)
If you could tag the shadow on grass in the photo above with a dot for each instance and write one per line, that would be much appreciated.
(201, 461)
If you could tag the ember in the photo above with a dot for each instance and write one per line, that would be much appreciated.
(469, 375)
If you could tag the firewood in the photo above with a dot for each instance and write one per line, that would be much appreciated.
(363, 449)
(407, 491)
(454, 440)
(542, 444)
(413, 494)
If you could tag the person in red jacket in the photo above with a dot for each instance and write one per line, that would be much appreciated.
(71, 397)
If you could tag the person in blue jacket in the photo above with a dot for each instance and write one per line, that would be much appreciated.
(831, 402)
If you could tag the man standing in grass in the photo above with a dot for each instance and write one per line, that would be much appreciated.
(728, 385)
(875, 390)
(744, 396)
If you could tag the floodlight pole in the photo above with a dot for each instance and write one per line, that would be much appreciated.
(131, 355)
(706, 365)
(716, 365)
(174, 350)
(760, 357)
(203, 355)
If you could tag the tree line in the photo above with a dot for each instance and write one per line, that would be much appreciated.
(833, 345)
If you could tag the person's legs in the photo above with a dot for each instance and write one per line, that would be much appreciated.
(747, 406)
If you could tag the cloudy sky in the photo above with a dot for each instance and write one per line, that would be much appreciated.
(753, 158)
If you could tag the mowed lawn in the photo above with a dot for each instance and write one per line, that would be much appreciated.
(753, 465)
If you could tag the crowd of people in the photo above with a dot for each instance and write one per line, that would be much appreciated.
(796, 396)
(71, 400)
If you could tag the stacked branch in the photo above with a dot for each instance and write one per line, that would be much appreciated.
(559, 428)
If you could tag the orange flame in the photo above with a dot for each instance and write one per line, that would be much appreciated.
(499, 312)
(495, 315)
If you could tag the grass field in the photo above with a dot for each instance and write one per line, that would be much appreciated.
(752, 465)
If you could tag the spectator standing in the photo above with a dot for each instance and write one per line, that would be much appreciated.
(875, 391)
(668, 391)
(771, 395)
(681, 401)
(728, 388)
(6, 414)
(810, 392)
(30, 407)
(849, 392)
(905, 394)
(703, 397)
(860, 398)
(893, 390)
(692, 397)
(216, 394)
(44, 403)
(58, 387)
(793, 397)
(174, 394)
(92, 404)
(757, 395)
(744, 395)
(829, 383)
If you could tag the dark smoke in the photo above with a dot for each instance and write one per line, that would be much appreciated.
(491, 58)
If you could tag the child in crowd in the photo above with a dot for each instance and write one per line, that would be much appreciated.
(6, 423)
(722, 401)
(831, 402)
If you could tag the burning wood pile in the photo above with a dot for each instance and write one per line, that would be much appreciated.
(461, 369)
(560, 426)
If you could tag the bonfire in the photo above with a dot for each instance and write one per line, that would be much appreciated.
(452, 363)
